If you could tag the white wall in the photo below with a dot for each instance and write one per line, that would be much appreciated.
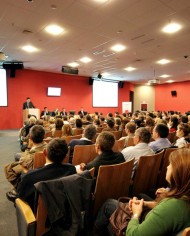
(144, 94)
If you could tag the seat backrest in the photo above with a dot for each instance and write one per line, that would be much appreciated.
(78, 131)
(69, 138)
(39, 160)
(57, 133)
(26, 220)
(172, 137)
(83, 154)
(146, 173)
(163, 168)
(130, 142)
(117, 134)
(119, 145)
(112, 182)
(48, 134)
(99, 129)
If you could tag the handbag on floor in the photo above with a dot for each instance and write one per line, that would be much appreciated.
(121, 217)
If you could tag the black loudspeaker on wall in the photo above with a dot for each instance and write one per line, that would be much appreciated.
(174, 93)
(121, 84)
(90, 81)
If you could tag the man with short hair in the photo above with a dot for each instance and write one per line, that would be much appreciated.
(110, 125)
(130, 128)
(14, 170)
(160, 134)
(104, 144)
(55, 153)
(28, 104)
(87, 139)
(141, 148)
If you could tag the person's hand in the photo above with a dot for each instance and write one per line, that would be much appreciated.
(137, 206)
(131, 201)
(82, 166)
(160, 191)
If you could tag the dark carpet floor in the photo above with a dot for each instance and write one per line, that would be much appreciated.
(8, 147)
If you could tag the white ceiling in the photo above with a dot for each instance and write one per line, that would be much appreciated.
(91, 26)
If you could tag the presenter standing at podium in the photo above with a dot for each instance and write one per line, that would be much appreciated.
(28, 104)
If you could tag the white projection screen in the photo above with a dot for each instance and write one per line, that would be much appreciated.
(3, 88)
(105, 94)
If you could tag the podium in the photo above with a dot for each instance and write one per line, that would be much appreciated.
(31, 111)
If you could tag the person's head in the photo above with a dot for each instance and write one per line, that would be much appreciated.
(67, 130)
(65, 118)
(52, 120)
(142, 135)
(178, 173)
(160, 131)
(183, 130)
(88, 118)
(184, 119)
(58, 124)
(105, 141)
(32, 120)
(28, 99)
(110, 123)
(150, 121)
(90, 132)
(173, 122)
(45, 109)
(96, 122)
(130, 127)
(78, 123)
(118, 121)
(39, 122)
(37, 133)
(56, 150)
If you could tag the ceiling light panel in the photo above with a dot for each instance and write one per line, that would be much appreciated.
(29, 48)
(171, 28)
(118, 48)
(163, 61)
(73, 64)
(165, 76)
(85, 59)
(130, 68)
(54, 29)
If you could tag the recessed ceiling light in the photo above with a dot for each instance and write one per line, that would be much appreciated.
(73, 64)
(105, 74)
(163, 61)
(171, 28)
(29, 48)
(165, 76)
(130, 68)
(54, 29)
(85, 59)
(170, 81)
(118, 48)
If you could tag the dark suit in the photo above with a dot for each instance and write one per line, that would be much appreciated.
(28, 105)
(26, 189)
(82, 112)
(106, 158)
(43, 113)
(63, 113)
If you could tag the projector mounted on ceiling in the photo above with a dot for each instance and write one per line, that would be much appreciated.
(154, 81)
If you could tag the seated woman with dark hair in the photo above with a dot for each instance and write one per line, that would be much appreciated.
(169, 214)
(182, 133)
(173, 123)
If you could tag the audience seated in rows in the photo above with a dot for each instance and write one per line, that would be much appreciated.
(55, 152)
(173, 123)
(182, 133)
(58, 125)
(141, 139)
(88, 136)
(110, 125)
(168, 215)
(14, 170)
(104, 144)
(130, 131)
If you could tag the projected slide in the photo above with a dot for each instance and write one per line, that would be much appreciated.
(3, 88)
(105, 94)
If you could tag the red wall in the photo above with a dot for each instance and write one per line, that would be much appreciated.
(164, 100)
(76, 92)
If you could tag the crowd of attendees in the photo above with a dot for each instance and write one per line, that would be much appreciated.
(150, 133)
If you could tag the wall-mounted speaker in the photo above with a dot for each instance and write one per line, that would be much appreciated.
(12, 66)
(69, 70)
(174, 93)
(90, 82)
(120, 84)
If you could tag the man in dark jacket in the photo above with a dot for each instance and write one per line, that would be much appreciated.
(104, 144)
(54, 153)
